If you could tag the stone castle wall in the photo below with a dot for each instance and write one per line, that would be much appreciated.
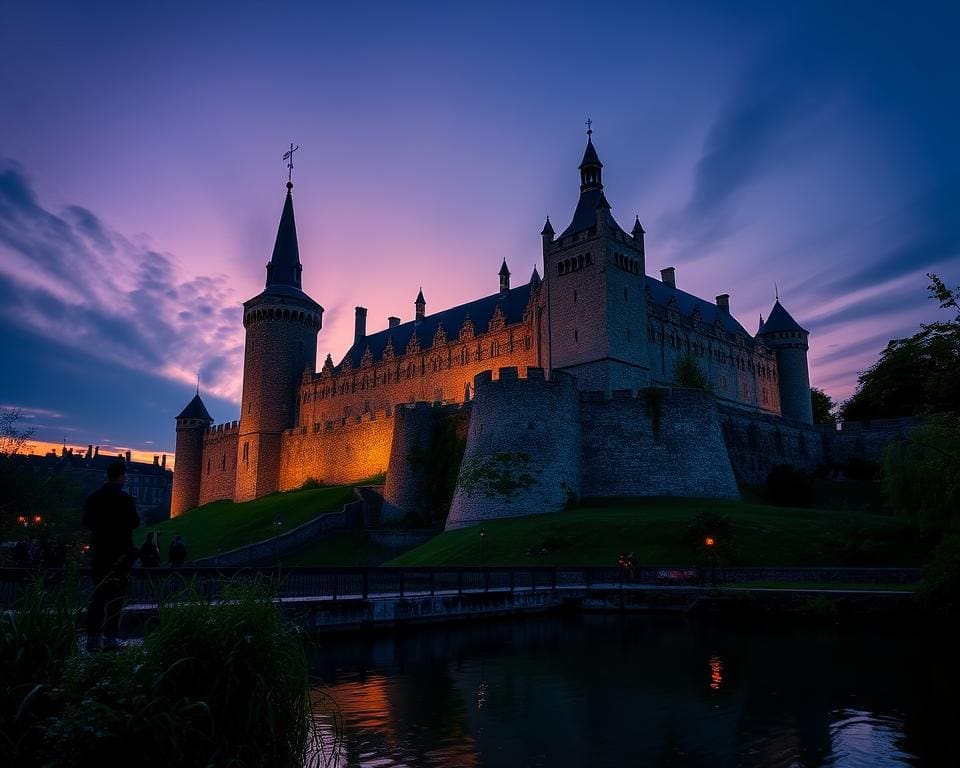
(440, 372)
(341, 451)
(757, 442)
(662, 442)
(218, 468)
(862, 441)
(523, 448)
(415, 428)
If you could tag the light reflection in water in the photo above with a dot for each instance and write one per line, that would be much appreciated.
(589, 691)
(716, 673)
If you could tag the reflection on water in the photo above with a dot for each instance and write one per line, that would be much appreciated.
(639, 690)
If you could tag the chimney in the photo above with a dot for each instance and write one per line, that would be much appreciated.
(723, 301)
(89, 451)
(163, 461)
(96, 451)
(668, 276)
(128, 457)
(360, 324)
(156, 461)
(393, 322)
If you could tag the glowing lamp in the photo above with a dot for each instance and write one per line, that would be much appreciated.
(22, 519)
(37, 519)
(85, 548)
(709, 542)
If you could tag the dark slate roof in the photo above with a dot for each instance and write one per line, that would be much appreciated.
(286, 291)
(195, 410)
(590, 156)
(661, 293)
(586, 214)
(284, 266)
(779, 321)
(638, 228)
(512, 304)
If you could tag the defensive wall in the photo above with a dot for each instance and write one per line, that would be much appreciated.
(756, 442)
(523, 447)
(339, 451)
(218, 469)
(863, 441)
(417, 430)
(659, 442)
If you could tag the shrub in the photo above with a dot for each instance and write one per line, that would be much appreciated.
(687, 373)
(788, 487)
(310, 483)
(714, 525)
(939, 591)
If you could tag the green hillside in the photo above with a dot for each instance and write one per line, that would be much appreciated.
(225, 525)
(653, 529)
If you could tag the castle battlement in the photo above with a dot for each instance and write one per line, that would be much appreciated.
(511, 375)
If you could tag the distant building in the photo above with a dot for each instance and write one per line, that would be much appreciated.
(151, 485)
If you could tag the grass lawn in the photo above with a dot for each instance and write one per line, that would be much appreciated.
(339, 548)
(225, 525)
(653, 529)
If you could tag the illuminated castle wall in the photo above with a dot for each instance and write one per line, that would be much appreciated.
(594, 315)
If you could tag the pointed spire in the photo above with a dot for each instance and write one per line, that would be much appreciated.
(590, 166)
(547, 229)
(535, 278)
(760, 327)
(780, 320)
(196, 410)
(638, 230)
(504, 278)
(284, 267)
(420, 305)
(503, 269)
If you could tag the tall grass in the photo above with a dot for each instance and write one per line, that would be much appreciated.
(222, 684)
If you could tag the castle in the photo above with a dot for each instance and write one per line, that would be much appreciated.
(568, 385)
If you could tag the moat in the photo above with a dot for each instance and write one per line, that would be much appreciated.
(607, 690)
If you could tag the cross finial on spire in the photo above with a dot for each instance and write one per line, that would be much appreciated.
(589, 125)
(288, 155)
(776, 292)
(198, 382)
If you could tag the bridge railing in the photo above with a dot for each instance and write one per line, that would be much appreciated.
(148, 586)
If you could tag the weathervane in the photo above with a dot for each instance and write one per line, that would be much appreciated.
(589, 125)
(288, 155)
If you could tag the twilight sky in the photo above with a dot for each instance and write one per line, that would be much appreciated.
(141, 181)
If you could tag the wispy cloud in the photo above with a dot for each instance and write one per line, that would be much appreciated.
(72, 279)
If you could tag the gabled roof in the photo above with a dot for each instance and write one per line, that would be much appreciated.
(780, 321)
(512, 304)
(195, 410)
(661, 293)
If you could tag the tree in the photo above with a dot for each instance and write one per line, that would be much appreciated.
(687, 373)
(823, 406)
(915, 376)
(13, 440)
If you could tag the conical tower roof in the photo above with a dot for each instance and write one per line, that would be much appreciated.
(284, 267)
(195, 410)
(780, 321)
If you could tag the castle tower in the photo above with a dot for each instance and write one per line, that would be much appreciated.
(788, 340)
(596, 292)
(192, 424)
(282, 324)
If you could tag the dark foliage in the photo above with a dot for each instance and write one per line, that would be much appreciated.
(940, 589)
(788, 487)
(823, 407)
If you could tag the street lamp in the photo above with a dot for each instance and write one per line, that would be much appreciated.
(709, 543)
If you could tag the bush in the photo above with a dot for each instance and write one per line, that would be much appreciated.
(939, 591)
(788, 487)
(222, 684)
(687, 373)
(714, 525)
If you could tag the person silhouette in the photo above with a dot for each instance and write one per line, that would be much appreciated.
(150, 552)
(177, 554)
(110, 514)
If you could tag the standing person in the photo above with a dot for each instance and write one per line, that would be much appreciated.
(150, 552)
(177, 554)
(111, 516)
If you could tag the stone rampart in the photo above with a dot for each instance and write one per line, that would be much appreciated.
(218, 471)
(416, 428)
(662, 442)
(341, 451)
(757, 442)
(523, 448)
(862, 441)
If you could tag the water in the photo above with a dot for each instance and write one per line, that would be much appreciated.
(640, 691)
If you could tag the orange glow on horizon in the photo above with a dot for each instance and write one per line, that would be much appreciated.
(42, 448)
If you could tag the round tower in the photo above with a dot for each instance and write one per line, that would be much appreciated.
(789, 341)
(192, 424)
(282, 324)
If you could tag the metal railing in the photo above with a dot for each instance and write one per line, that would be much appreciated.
(148, 586)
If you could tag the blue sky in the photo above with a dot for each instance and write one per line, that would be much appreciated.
(808, 145)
